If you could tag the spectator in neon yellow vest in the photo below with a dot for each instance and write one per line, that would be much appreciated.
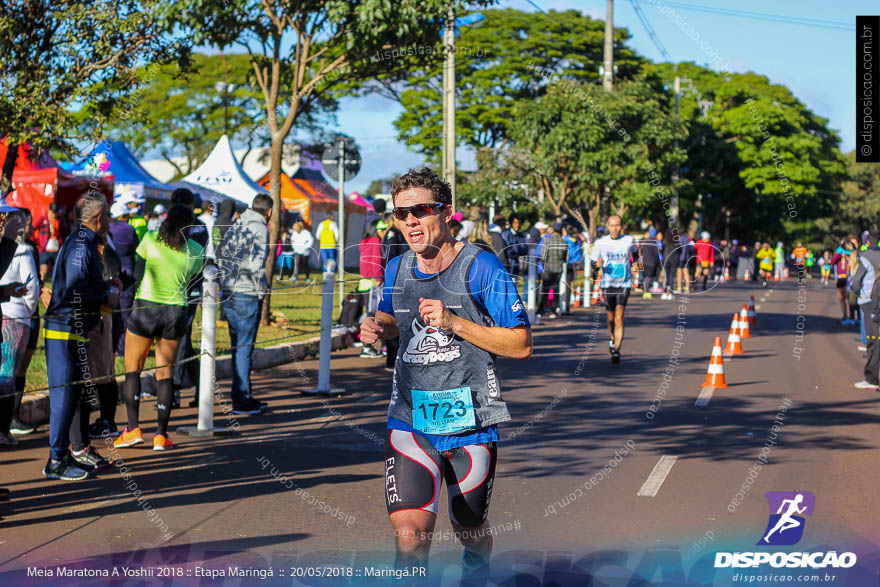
(328, 235)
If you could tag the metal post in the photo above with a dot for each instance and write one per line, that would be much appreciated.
(563, 292)
(340, 265)
(208, 362)
(607, 76)
(533, 283)
(449, 100)
(325, 347)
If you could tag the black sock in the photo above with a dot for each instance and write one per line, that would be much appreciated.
(163, 405)
(6, 402)
(19, 393)
(132, 394)
(108, 393)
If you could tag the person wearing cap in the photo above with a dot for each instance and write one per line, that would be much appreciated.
(157, 217)
(49, 238)
(138, 222)
(705, 258)
(125, 241)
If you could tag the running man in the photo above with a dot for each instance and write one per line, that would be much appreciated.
(765, 256)
(446, 398)
(786, 522)
(615, 255)
(705, 258)
(799, 254)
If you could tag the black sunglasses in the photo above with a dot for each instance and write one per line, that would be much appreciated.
(419, 210)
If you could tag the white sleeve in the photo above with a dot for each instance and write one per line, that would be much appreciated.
(596, 252)
(310, 240)
(320, 228)
(27, 270)
(334, 229)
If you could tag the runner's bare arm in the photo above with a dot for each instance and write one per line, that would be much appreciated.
(382, 327)
(515, 343)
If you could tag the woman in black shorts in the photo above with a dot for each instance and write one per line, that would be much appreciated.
(165, 262)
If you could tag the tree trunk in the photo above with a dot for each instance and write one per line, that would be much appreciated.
(274, 221)
(594, 216)
(8, 168)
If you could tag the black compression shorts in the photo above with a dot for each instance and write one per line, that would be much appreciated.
(841, 282)
(152, 320)
(414, 473)
(616, 296)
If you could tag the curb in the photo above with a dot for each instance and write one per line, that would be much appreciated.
(35, 407)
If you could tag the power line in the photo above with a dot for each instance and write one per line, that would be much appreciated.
(653, 35)
(763, 16)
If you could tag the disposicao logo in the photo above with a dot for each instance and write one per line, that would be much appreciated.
(785, 528)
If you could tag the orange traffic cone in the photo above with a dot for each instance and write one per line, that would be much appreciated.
(577, 297)
(715, 373)
(594, 300)
(734, 343)
(744, 323)
(753, 316)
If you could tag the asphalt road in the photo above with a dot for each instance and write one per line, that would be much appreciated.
(593, 483)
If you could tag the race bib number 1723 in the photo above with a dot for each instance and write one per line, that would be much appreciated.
(443, 412)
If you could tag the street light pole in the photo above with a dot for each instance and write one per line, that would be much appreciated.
(449, 100)
(340, 266)
(607, 76)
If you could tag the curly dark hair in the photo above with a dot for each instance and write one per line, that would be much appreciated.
(174, 230)
(425, 178)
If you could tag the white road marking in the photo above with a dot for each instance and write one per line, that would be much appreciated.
(658, 475)
(704, 397)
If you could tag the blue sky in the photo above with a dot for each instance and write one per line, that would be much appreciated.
(817, 64)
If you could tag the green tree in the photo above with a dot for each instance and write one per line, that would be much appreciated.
(858, 202)
(757, 153)
(510, 57)
(182, 113)
(60, 55)
(596, 152)
(302, 52)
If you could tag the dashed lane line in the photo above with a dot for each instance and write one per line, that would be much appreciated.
(658, 475)
(704, 397)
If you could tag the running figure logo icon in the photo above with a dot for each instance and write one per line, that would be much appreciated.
(786, 526)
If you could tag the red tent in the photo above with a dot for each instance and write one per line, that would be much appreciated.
(38, 181)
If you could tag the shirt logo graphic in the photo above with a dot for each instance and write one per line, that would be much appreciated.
(430, 345)
(786, 526)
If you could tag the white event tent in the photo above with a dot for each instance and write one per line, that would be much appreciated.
(222, 173)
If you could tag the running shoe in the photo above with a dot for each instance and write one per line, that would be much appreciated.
(20, 428)
(103, 428)
(615, 356)
(162, 442)
(357, 344)
(863, 384)
(64, 469)
(863, 348)
(647, 295)
(8, 439)
(474, 566)
(249, 406)
(764, 284)
(89, 457)
(371, 353)
(127, 438)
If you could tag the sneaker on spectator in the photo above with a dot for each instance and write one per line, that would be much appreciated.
(162, 442)
(129, 438)
(863, 384)
(103, 428)
(8, 440)
(20, 428)
(65, 469)
(863, 348)
(261, 403)
(248, 406)
(89, 457)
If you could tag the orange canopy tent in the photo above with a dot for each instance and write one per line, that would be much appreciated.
(308, 195)
(38, 180)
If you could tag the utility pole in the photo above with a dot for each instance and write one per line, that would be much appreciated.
(609, 48)
(449, 100)
(673, 208)
(340, 216)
